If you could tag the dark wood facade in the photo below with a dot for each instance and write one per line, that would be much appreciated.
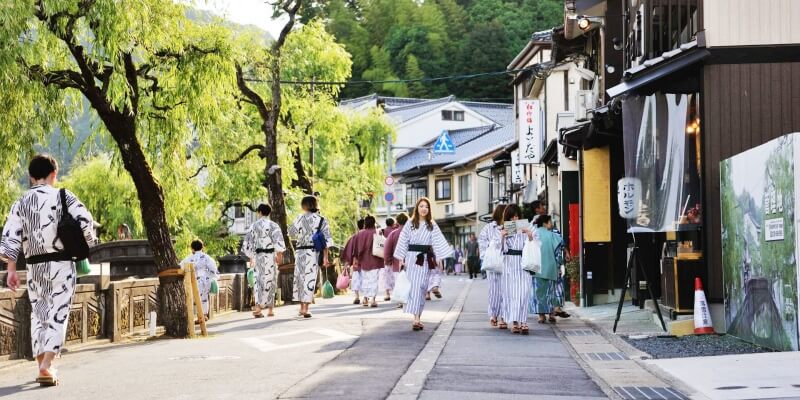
(745, 105)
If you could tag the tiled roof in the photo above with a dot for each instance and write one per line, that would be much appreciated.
(412, 110)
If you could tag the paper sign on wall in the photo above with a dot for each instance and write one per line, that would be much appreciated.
(530, 131)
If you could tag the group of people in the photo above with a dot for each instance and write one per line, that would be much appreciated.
(515, 292)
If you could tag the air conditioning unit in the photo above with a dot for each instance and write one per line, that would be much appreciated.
(399, 206)
(449, 209)
(584, 101)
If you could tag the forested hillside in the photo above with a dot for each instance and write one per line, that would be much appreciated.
(409, 39)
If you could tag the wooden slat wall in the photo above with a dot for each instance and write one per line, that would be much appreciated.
(744, 105)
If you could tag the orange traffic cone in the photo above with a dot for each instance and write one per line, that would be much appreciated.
(702, 315)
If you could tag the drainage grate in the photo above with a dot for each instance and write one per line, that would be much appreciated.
(616, 356)
(579, 332)
(648, 393)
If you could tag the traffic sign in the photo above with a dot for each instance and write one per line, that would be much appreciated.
(444, 145)
(389, 197)
(389, 181)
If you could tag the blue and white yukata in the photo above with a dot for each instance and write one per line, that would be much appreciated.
(516, 281)
(490, 235)
(418, 274)
(32, 228)
(543, 300)
(262, 241)
(306, 260)
(206, 272)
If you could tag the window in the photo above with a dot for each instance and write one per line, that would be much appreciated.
(499, 185)
(465, 188)
(414, 191)
(452, 115)
(238, 211)
(443, 189)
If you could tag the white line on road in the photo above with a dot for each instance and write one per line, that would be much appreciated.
(264, 344)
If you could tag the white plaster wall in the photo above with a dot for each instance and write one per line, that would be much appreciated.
(751, 22)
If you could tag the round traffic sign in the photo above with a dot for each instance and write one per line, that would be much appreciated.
(389, 197)
(389, 181)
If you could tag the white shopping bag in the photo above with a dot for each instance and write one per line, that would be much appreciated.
(402, 287)
(532, 256)
(493, 259)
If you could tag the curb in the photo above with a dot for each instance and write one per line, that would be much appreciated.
(604, 386)
(412, 382)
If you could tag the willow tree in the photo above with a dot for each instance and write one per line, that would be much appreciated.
(151, 77)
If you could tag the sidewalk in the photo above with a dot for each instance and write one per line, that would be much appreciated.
(481, 362)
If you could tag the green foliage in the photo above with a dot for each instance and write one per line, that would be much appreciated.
(445, 36)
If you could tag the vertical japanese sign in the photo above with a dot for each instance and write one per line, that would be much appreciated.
(530, 131)
(629, 194)
(517, 176)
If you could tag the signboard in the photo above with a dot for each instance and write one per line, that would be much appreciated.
(389, 181)
(758, 200)
(517, 176)
(444, 145)
(389, 197)
(629, 196)
(530, 131)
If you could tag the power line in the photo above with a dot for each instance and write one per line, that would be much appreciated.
(375, 82)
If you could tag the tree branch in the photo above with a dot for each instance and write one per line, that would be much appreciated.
(132, 76)
(251, 95)
(290, 7)
(62, 78)
(242, 155)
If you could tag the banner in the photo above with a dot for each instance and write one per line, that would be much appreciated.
(758, 194)
(517, 176)
(530, 131)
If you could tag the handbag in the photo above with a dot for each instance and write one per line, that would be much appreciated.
(493, 259)
(402, 288)
(378, 243)
(82, 267)
(532, 256)
(343, 281)
(318, 238)
(327, 288)
(214, 287)
(251, 277)
(70, 232)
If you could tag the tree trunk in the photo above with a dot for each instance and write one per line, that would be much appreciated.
(172, 301)
(303, 182)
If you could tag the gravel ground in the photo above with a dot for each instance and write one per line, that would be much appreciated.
(694, 346)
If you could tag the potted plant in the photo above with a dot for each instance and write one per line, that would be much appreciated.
(573, 275)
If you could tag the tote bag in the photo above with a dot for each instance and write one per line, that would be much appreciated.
(532, 256)
(343, 281)
(378, 242)
(493, 259)
(402, 288)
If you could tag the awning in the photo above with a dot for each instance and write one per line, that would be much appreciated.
(564, 48)
(413, 178)
(653, 70)
(550, 154)
(453, 218)
(572, 136)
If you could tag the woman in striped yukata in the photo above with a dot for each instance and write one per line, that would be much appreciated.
(31, 230)
(419, 246)
(307, 258)
(516, 281)
(264, 246)
(545, 281)
(490, 236)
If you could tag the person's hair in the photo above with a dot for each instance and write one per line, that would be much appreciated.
(41, 166)
(369, 222)
(543, 219)
(511, 211)
(401, 218)
(389, 222)
(536, 204)
(264, 209)
(360, 224)
(497, 215)
(472, 234)
(309, 203)
(197, 245)
(428, 218)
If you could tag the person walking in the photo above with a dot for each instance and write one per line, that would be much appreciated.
(205, 270)
(32, 229)
(419, 246)
(387, 275)
(544, 290)
(264, 246)
(369, 265)
(473, 256)
(347, 260)
(308, 254)
(540, 209)
(516, 281)
(392, 264)
(459, 256)
(490, 236)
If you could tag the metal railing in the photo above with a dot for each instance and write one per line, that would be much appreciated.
(653, 27)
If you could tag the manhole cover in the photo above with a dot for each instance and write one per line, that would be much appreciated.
(204, 358)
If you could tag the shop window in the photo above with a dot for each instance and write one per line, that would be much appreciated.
(443, 189)
(415, 191)
(465, 188)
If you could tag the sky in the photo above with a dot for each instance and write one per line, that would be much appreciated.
(245, 12)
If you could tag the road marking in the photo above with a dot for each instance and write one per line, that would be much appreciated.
(267, 343)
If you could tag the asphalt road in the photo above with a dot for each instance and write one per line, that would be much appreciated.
(344, 351)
